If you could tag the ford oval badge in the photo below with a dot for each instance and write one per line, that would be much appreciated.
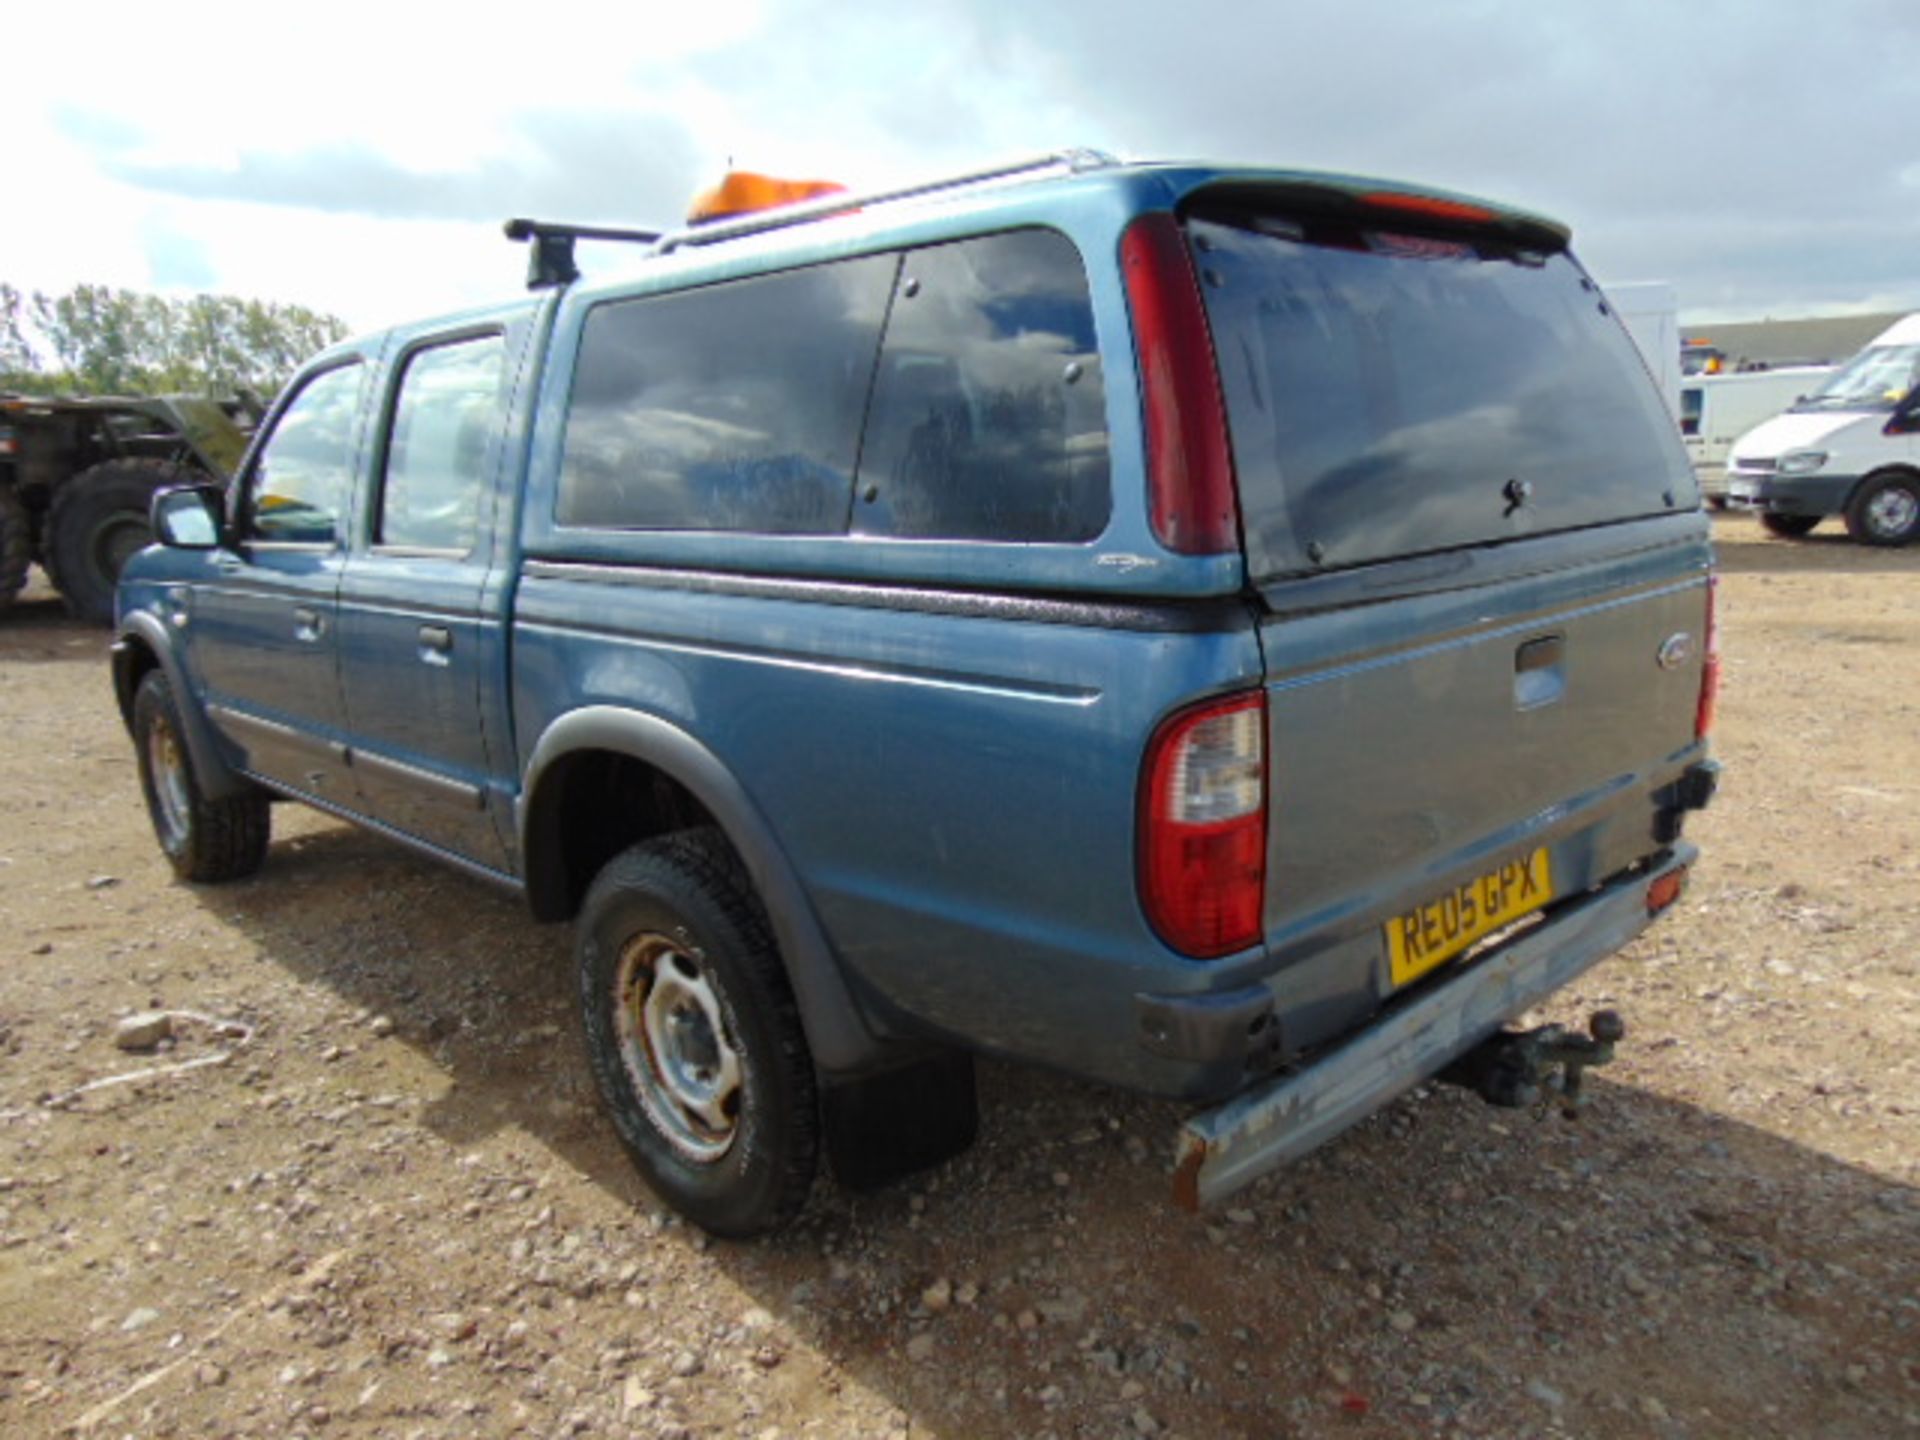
(1675, 650)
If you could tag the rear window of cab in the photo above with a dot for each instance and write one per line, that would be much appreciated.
(947, 392)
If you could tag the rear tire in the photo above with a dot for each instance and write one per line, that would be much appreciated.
(16, 546)
(206, 841)
(1885, 509)
(97, 521)
(694, 1036)
(1791, 527)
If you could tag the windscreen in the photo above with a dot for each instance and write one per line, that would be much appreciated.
(1392, 394)
(1878, 378)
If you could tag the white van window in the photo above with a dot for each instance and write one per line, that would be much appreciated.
(1878, 378)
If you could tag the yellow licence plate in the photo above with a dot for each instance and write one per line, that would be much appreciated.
(1439, 930)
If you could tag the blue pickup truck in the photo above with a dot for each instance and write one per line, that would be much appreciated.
(1239, 634)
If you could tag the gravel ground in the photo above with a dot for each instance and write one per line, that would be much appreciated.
(388, 1206)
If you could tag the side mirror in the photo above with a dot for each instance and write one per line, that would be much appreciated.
(188, 517)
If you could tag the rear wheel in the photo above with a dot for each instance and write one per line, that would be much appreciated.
(205, 840)
(16, 545)
(1790, 527)
(98, 521)
(1885, 510)
(694, 1036)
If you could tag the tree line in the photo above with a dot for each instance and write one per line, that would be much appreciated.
(99, 340)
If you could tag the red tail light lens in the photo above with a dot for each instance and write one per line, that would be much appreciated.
(1203, 827)
(1710, 665)
(1189, 465)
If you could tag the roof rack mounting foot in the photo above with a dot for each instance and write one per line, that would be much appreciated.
(551, 262)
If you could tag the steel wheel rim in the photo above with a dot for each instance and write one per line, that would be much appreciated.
(1893, 511)
(171, 802)
(677, 1048)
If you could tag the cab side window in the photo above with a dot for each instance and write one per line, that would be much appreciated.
(303, 478)
(989, 417)
(733, 406)
(440, 445)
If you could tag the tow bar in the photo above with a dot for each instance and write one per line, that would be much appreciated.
(1538, 1068)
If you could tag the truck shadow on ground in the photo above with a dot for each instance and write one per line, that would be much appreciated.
(36, 628)
(1437, 1261)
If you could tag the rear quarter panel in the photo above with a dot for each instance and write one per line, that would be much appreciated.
(955, 790)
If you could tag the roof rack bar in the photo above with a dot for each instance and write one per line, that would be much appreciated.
(551, 261)
(810, 210)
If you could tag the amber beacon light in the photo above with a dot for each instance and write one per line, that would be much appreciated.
(743, 192)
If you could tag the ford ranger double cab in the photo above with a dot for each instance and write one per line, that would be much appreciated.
(1238, 634)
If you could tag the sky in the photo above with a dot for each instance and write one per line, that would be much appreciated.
(1762, 156)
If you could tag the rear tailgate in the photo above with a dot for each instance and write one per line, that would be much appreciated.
(1485, 572)
(1424, 748)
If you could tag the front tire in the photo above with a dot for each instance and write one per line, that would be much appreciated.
(1885, 510)
(694, 1036)
(1790, 527)
(205, 840)
(98, 521)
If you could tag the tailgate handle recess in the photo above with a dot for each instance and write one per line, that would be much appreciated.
(1540, 672)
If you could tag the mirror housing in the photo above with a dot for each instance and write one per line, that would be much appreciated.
(189, 517)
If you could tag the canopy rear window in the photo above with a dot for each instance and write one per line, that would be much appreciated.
(1391, 394)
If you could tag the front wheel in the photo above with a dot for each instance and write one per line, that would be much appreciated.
(205, 840)
(694, 1036)
(1790, 527)
(1885, 510)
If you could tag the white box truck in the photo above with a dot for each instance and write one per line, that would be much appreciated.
(1650, 312)
(1715, 410)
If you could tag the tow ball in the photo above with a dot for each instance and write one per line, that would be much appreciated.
(1538, 1068)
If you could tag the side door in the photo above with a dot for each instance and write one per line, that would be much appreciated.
(263, 630)
(420, 628)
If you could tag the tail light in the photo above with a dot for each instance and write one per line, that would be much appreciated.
(1189, 465)
(1710, 665)
(1203, 827)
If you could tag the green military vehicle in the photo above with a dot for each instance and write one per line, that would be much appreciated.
(77, 476)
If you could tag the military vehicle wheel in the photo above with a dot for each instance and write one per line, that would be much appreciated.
(1790, 527)
(694, 1037)
(205, 840)
(97, 522)
(1885, 510)
(16, 546)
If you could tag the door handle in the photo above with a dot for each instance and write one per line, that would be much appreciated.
(436, 644)
(308, 624)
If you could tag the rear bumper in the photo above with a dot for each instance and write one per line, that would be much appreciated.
(1226, 1147)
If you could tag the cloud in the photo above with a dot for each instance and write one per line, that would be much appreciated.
(1743, 152)
(176, 260)
(1714, 144)
(589, 165)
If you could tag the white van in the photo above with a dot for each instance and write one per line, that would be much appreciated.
(1715, 410)
(1852, 448)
